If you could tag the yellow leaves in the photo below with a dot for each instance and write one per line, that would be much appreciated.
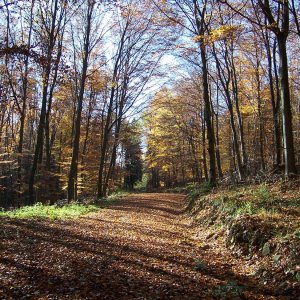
(165, 168)
(247, 109)
(199, 38)
(168, 118)
(114, 84)
(223, 32)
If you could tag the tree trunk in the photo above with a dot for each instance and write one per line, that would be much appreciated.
(40, 134)
(274, 103)
(200, 15)
(260, 120)
(288, 141)
(207, 116)
(101, 176)
(72, 181)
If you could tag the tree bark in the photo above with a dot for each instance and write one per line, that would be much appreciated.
(72, 180)
(288, 140)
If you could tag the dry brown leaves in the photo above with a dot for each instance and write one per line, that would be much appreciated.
(141, 248)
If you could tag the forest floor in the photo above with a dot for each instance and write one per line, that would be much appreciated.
(142, 247)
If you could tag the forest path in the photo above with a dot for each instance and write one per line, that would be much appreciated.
(140, 248)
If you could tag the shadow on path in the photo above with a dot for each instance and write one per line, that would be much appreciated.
(136, 249)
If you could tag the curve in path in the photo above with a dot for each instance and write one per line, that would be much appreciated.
(140, 248)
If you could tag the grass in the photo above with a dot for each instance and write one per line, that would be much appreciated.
(230, 290)
(50, 211)
(263, 203)
(54, 212)
(235, 206)
(256, 201)
(111, 199)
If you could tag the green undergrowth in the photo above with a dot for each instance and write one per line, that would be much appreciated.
(62, 210)
(40, 210)
(111, 199)
(193, 190)
(263, 203)
(250, 202)
(253, 221)
(261, 200)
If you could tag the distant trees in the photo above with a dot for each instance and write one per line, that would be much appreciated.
(50, 29)
(74, 75)
(133, 163)
(277, 16)
(250, 95)
(174, 142)
(66, 117)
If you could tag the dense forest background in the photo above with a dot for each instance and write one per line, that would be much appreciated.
(94, 94)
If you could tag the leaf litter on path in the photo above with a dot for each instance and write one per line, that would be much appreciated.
(140, 248)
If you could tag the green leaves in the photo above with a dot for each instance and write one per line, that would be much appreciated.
(199, 265)
(230, 290)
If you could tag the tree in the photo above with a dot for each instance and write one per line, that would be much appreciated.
(52, 16)
(195, 18)
(132, 157)
(87, 47)
(278, 17)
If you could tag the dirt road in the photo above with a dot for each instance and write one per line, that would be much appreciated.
(140, 248)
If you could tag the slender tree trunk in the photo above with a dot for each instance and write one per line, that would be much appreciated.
(101, 176)
(201, 28)
(216, 114)
(50, 98)
(72, 181)
(260, 120)
(39, 140)
(207, 116)
(235, 142)
(104, 146)
(276, 131)
(204, 163)
(220, 173)
(239, 116)
(276, 111)
(288, 141)
(40, 133)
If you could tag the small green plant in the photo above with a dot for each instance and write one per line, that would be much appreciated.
(262, 193)
(194, 194)
(245, 208)
(206, 187)
(199, 265)
(177, 190)
(235, 206)
(230, 290)
(111, 199)
(141, 186)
